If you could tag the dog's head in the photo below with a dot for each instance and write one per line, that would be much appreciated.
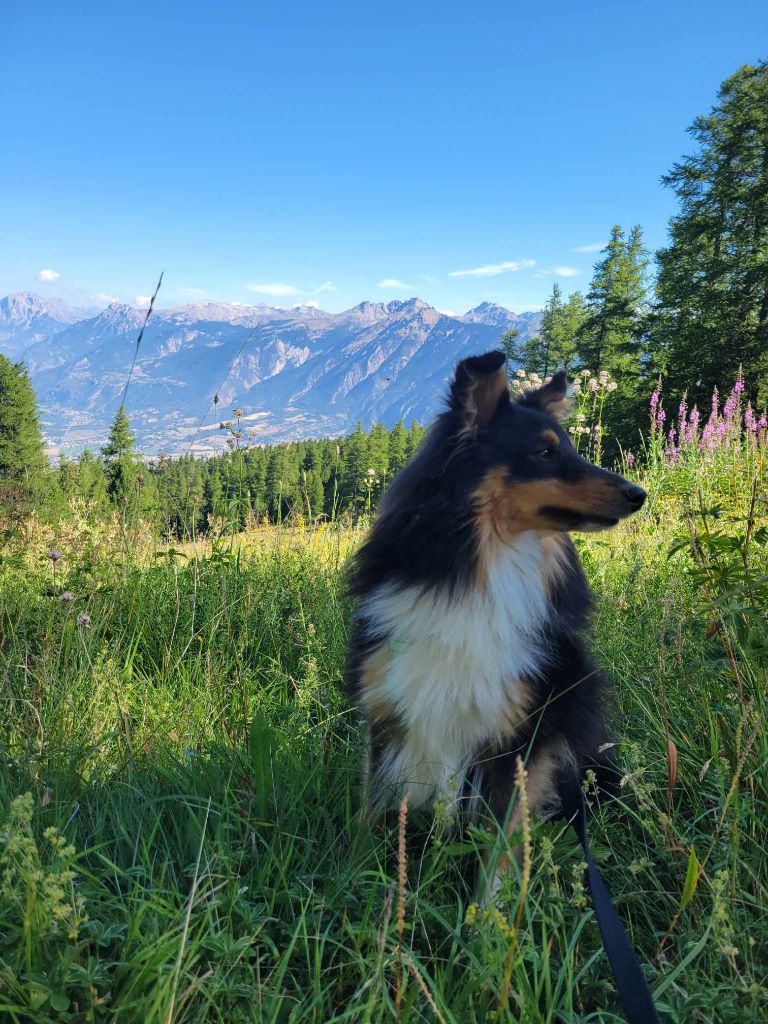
(527, 473)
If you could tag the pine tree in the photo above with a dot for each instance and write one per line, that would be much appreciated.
(554, 347)
(22, 455)
(511, 347)
(121, 465)
(612, 336)
(398, 442)
(712, 311)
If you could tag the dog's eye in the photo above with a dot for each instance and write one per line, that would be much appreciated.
(548, 454)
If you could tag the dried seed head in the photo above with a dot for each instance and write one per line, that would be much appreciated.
(67, 597)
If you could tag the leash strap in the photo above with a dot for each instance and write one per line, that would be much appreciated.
(627, 974)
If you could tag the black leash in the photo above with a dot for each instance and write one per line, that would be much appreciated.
(627, 974)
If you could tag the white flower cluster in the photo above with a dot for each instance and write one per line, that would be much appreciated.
(588, 382)
(524, 381)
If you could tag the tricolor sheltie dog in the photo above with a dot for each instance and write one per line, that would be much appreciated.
(467, 645)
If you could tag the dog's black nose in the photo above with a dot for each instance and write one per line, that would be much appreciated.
(635, 496)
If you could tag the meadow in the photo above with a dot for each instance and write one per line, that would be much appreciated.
(180, 778)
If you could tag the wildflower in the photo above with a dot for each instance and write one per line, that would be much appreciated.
(521, 373)
(577, 387)
(571, 430)
(580, 417)
(603, 376)
(471, 913)
(586, 373)
(84, 619)
(54, 555)
(592, 384)
(238, 413)
(630, 459)
(692, 428)
(67, 597)
(371, 472)
(612, 385)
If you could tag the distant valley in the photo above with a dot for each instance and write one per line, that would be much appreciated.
(294, 373)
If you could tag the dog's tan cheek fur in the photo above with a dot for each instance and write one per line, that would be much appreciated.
(505, 509)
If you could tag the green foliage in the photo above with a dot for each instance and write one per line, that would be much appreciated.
(555, 347)
(611, 337)
(24, 476)
(180, 785)
(712, 307)
(121, 465)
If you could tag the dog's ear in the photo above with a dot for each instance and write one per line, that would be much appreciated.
(479, 386)
(550, 397)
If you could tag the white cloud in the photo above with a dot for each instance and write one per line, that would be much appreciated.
(313, 303)
(47, 275)
(327, 286)
(277, 288)
(101, 298)
(557, 272)
(592, 247)
(393, 282)
(143, 301)
(448, 312)
(493, 269)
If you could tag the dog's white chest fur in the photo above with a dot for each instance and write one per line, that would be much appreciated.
(456, 664)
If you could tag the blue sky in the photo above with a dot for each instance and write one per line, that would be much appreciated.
(342, 151)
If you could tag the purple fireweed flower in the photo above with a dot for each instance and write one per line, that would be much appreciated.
(630, 459)
(730, 405)
(707, 436)
(750, 423)
(693, 424)
(682, 418)
(762, 422)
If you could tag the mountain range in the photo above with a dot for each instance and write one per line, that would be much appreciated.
(294, 373)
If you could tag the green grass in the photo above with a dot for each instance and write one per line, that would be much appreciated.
(179, 799)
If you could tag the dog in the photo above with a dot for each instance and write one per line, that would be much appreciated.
(467, 646)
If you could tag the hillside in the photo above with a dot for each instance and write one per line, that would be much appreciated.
(300, 372)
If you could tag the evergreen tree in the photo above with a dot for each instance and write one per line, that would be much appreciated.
(22, 456)
(398, 442)
(612, 335)
(712, 312)
(356, 463)
(554, 347)
(511, 347)
(122, 468)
